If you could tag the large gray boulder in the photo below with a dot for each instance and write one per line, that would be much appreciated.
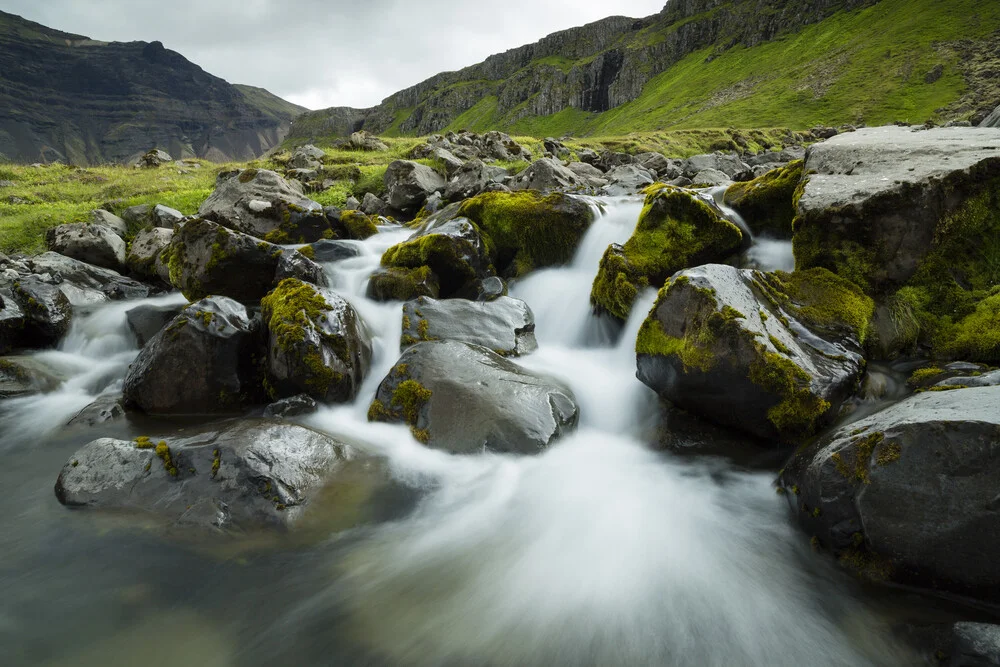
(727, 163)
(546, 175)
(80, 280)
(590, 174)
(238, 476)
(732, 345)
(875, 198)
(146, 320)
(627, 179)
(165, 217)
(109, 220)
(316, 343)
(200, 364)
(47, 311)
(466, 399)
(144, 257)
(206, 258)
(409, 184)
(909, 493)
(253, 201)
(504, 325)
(472, 178)
(93, 244)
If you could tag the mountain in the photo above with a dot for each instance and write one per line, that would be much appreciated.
(70, 98)
(714, 63)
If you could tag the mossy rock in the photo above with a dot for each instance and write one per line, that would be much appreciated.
(454, 250)
(317, 344)
(767, 202)
(357, 225)
(725, 344)
(396, 284)
(676, 230)
(529, 230)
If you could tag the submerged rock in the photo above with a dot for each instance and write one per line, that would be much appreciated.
(201, 363)
(908, 494)
(104, 409)
(504, 325)
(734, 346)
(239, 476)
(466, 399)
(676, 230)
(316, 343)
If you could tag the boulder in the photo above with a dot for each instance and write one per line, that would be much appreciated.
(295, 264)
(401, 284)
(466, 399)
(254, 201)
(988, 379)
(153, 159)
(472, 178)
(774, 355)
(546, 175)
(372, 204)
(504, 325)
(47, 311)
(908, 494)
(555, 148)
(311, 152)
(333, 251)
(165, 217)
(448, 159)
(205, 258)
(144, 253)
(992, 120)
(767, 203)
(729, 164)
(608, 160)
(137, 216)
(676, 230)
(316, 343)
(93, 244)
(627, 180)
(301, 161)
(201, 363)
(974, 645)
(69, 272)
(109, 220)
(356, 225)
(587, 156)
(146, 320)
(293, 406)
(25, 376)
(450, 247)
(363, 141)
(408, 185)
(527, 230)
(105, 409)
(663, 167)
(238, 476)
(590, 174)
(710, 177)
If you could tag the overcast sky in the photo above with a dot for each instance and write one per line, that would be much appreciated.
(322, 53)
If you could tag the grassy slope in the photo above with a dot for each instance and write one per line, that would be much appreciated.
(866, 66)
(270, 103)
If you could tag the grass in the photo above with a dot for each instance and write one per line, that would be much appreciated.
(58, 194)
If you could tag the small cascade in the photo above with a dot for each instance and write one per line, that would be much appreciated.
(763, 253)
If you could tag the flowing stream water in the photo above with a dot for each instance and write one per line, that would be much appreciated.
(598, 551)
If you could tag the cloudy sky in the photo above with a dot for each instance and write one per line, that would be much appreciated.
(322, 53)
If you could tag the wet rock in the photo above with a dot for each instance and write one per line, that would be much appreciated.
(990, 379)
(47, 311)
(504, 325)
(974, 645)
(293, 406)
(201, 363)
(165, 217)
(316, 343)
(333, 251)
(205, 258)
(294, 264)
(25, 376)
(253, 474)
(85, 276)
(465, 399)
(676, 230)
(409, 184)
(147, 320)
(733, 346)
(908, 494)
(547, 175)
(12, 322)
(93, 244)
(767, 203)
(253, 201)
(144, 253)
(109, 220)
(491, 289)
(401, 284)
(107, 408)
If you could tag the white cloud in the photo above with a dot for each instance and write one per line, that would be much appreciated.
(320, 53)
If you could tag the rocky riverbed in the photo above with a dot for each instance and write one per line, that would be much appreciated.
(584, 415)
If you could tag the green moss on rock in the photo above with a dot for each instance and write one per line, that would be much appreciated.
(359, 226)
(767, 203)
(822, 300)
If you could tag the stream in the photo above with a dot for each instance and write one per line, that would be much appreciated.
(601, 550)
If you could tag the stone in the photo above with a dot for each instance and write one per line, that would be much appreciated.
(93, 244)
(590, 174)
(87, 277)
(165, 217)
(144, 257)
(253, 201)
(294, 264)
(333, 251)
(105, 409)
(47, 311)
(974, 645)
(710, 177)
(25, 376)
(627, 179)
(364, 141)
(504, 324)
(992, 120)
(907, 494)
(293, 406)
(147, 320)
(546, 175)
(408, 185)
(472, 178)
(402, 284)
(372, 204)
(153, 159)
(317, 344)
(466, 399)
(200, 364)
(137, 216)
(109, 220)
(12, 321)
(732, 346)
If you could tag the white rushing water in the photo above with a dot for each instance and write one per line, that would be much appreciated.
(599, 550)
(91, 361)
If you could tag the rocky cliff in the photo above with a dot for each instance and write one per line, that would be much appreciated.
(67, 97)
(571, 80)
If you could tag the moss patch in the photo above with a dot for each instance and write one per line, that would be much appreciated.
(767, 202)
(822, 300)
(448, 256)
(359, 226)
(400, 284)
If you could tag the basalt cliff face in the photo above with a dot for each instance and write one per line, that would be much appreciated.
(570, 80)
(70, 98)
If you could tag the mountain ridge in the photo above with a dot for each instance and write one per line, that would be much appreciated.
(70, 98)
